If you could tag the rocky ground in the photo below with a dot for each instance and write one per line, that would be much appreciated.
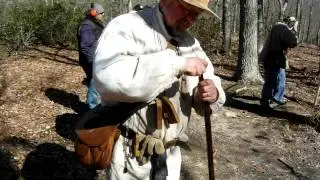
(41, 98)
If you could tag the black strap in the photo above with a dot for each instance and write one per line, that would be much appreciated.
(176, 45)
(126, 132)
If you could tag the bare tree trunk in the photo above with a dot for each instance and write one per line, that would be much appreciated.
(215, 7)
(130, 5)
(283, 6)
(267, 14)
(298, 11)
(309, 24)
(260, 25)
(226, 26)
(270, 15)
(122, 6)
(235, 17)
(300, 21)
(318, 40)
(247, 66)
(266, 10)
(304, 28)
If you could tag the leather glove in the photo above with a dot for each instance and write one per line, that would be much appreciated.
(146, 146)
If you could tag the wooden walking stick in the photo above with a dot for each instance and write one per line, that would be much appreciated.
(207, 120)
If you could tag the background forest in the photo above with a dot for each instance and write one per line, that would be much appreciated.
(54, 22)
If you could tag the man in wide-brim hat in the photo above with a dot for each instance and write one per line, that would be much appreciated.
(147, 56)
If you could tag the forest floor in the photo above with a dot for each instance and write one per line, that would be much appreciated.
(42, 97)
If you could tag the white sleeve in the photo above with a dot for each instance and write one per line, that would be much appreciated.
(209, 74)
(122, 74)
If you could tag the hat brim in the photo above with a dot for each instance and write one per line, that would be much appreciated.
(203, 7)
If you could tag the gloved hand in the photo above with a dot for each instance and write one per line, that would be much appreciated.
(146, 146)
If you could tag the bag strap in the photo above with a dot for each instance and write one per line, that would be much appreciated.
(102, 116)
(165, 111)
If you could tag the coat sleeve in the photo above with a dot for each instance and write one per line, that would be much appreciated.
(209, 74)
(289, 38)
(87, 38)
(123, 72)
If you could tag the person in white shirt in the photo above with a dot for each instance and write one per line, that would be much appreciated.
(146, 55)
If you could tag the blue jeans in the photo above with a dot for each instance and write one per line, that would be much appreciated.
(281, 85)
(93, 97)
(274, 86)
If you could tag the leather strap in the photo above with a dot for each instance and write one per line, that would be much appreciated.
(176, 142)
(159, 114)
(165, 111)
(169, 111)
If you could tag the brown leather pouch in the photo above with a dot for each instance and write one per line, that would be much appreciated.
(95, 146)
(97, 132)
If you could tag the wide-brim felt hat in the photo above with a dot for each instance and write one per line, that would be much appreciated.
(202, 4)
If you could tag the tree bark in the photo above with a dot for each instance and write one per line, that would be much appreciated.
(304, 27)
(300, 21)
(235, 16)
(215, 6)
(260, 25)
(298, 11)
(283, 6)
(318, 40)
(129, 5)
(267, 14)
(309, 22)
(247, 66)
(226, 26)
(122, 8)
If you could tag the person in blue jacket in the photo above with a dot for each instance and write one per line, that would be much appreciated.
(89, 32)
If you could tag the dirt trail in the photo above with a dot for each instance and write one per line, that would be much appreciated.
(253, 147)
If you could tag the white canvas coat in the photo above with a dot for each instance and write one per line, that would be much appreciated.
(133, 64)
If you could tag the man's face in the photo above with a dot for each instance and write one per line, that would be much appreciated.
(179, 15)
(100, 17)
(291, 24)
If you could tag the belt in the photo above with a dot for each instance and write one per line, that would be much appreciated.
(130, 134)
(176, 142)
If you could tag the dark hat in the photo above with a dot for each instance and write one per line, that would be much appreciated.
(96, 7)
(289, 19)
